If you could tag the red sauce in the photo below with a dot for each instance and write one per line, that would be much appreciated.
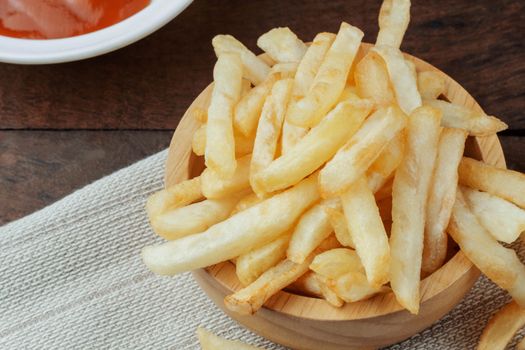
(51, 19)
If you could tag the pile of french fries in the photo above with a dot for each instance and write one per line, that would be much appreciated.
(337, 173)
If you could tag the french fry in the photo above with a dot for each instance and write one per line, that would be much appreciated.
(282, 45)
(284, 70)
(372, 80)
(353, 286)
(246, 86)
(220, 144)
(198, 141)
(214, 186)
(504, 183)
(475, 122)
(210, 341)
(314, 149)
(193, 218)
(394, 17)
(498, 263)
(504, 220)
(356, 156)
(237, 235)
(441, 197)
(176, 196)
(401, 77)
(248, 110)
(384, 167)
(349, 93)
(336, 262)
(246, 202)
(409, 198)
(269, 130)
(314, 285)
(338, 222)
(329, 81)
(200, 115)
(291, 134)
(431, 84)
(385, 191)
(502, 327)
(367, 230)
(243, 144)
(313, 227)
(254, 68)
(327, 293)
(252, 297)
(251, 265)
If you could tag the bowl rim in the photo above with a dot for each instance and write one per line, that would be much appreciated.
(457, 267)
(125, 32)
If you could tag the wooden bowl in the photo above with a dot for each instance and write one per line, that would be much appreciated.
(307, 323)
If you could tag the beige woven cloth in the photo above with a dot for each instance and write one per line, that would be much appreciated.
(71, 278)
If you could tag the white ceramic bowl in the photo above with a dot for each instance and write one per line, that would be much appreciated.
(143, 23)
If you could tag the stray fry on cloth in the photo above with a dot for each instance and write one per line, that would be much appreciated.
(338, 222)
(315, 148)
(214, 186)
(254, 68)
(504, 220)
(502, 327)
(179, 195)
(269, 130)
(282, 45)
(385, 165)
(401, 77)
(441, 197)
(330, 79)
(252, 297)
(372, 80)
(504, 183)
(219, 154)
(251, 265)
(336, 262)
(242, 232)
(367, 231)
(312, 228)
(193, 218)
(500, 264)
(475, 122)
(356, 156)
(431, 84)
(210, 341)
(394, 17)
(409, 198)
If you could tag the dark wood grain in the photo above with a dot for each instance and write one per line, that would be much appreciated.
(149, 84)
(40, 167)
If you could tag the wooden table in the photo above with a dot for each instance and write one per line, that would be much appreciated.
(64, 126)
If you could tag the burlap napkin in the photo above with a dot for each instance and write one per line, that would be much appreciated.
(72, 278)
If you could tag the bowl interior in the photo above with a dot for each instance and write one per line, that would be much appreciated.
(182, 164)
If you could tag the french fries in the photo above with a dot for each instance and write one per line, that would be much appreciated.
(214, 186)
(312, 228)
(251, 265)
(338, 222)
(198, 141)
(246, 202)
(367, 231)
(409, 198)
(252, 297)
(254, 68)
(181, 194)
(502, 219)
(507, 184)
(192, 218)
(237, 235)
(220, 144)
(401, 77)
(269, 130)
(500, 264)
(336, 262)
(354, 158)
(394, 17)
(282, 45)
(383, 168)
(372, 80)
(210, 341)
(330, 79)
(353, 286)
(315, 148)
(502, 327)
(431, 85)
(475, 122)
(441, 197)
